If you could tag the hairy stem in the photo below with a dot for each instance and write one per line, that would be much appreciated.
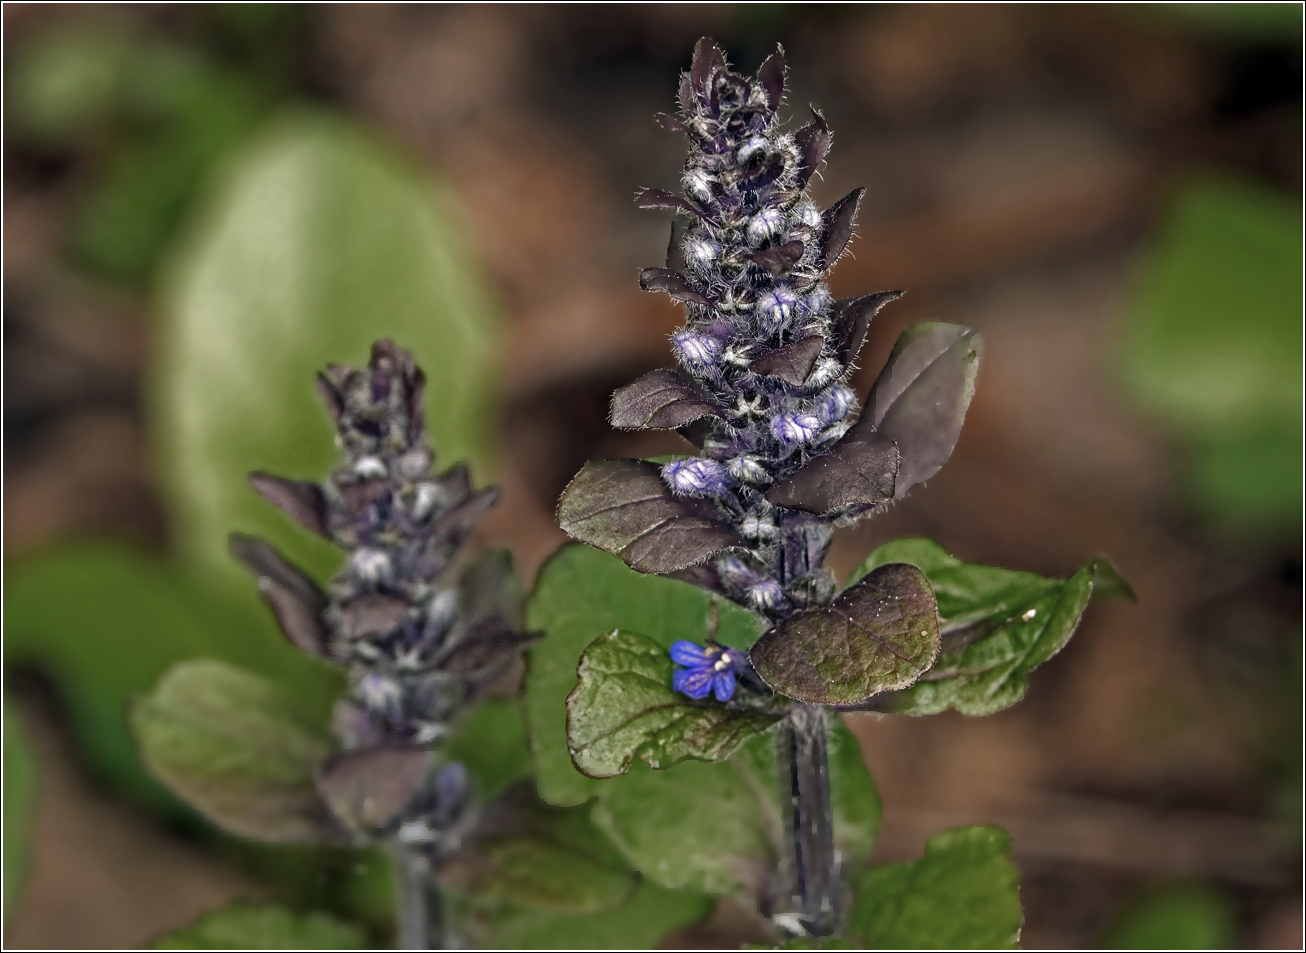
(809, 894)
(417, 900)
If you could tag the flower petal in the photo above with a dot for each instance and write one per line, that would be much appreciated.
(690, 654)
(723, 684)
(694, 682)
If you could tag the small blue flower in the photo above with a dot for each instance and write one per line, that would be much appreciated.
(696, 477)
(706, 669)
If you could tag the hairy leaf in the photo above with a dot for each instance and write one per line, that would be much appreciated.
(659, 198)
(998, 625)
(624, 508)
(237, 750)
(962, 895)
(675, 253)
(850, 317)
(880, 634)
(301, 500)
(779, 260)
(623, 708)
(813, 143)
(295, 599)
(580, 594)
(920, 398)
(266, 927)
(530, 852)
(367, 787)
(670, 122)
(837, 223)
(661, 399)
(791, 363)
(772, 76)
(859, 470)
(676, 285)
(708, 59)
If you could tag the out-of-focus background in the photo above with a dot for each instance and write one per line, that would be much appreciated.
(202, 204)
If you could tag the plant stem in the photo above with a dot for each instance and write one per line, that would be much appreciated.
(809, 898)
(417, 900)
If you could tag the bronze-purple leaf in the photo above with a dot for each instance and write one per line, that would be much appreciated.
(779, 260)
(920, 398)
(764, 173)
(371, 615)
(772, 76)
(670, 122)
(460, 518)
(368, 787)
(331, 396)
(491, 643)
(813, 144)
(673, 283)
(296, 600)
(623, 507)
(837, 223)
(791, 363)
(661, 400)
(858, 470)
(708, 59)
(360, 494)
(301, 500)
(880, 634)
(697, 432)
(850, 317)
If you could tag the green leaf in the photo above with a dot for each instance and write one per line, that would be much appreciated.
(529, 852)
(491, 743)
(623, 708)
(230, 744)
(961, 895)
(1174, 917)
(315, 243)
(702, 826)
(998, 625)
(269, 927)
(105, 621)
(879, 634)
(580, 594)
(640, 923)
(1213, 347)
(65, 79)
(19, 801)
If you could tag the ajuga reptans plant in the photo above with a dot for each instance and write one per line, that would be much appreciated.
(786, 452)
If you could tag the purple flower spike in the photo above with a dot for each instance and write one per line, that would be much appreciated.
(795, 428)
(697, 351)
(696, 477)
(703, 670)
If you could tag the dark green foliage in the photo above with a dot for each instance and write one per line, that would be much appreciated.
(245, 927)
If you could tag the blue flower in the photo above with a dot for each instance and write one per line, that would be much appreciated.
(706, 669)
(696, 477)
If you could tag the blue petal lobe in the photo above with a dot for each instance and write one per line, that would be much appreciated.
(724, 684)
(689, 653)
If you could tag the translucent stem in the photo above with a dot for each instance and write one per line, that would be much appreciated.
(809, 894)
(417, 900)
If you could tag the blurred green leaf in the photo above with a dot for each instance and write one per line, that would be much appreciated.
(245, 927)
(105, 621)
(962, 895)
(998, 625)
(1213, 347)
(65, 79)
(623, 708)
(532, 853)
(239, 751)
(188, 114)
(1175, 917)
(1237, 21)
(491, 743)
(581, 593)
(19, 801)
(316, 242)
(651, 914)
